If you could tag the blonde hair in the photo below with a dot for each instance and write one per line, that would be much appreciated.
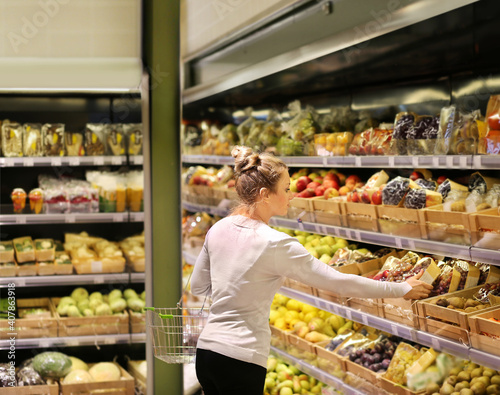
(254, 171)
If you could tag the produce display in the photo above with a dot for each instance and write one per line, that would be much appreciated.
(35, 140)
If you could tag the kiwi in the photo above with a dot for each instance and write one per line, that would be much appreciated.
(431, 388)
(485, 380)
(478, 372)
(493, 389)
(478, 388)
(464, 376)
(452, 380)
(495, 379)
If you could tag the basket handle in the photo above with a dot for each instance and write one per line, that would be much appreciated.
(162, 316)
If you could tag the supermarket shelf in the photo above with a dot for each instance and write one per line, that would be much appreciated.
(221, 210)
(428, 161)
(316, 373)
(437, 342)
(20, 219)
(64, 161)
(73, 279)
(95, 340)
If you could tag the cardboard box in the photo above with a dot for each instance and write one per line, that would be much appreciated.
(63, 263)
(47, 389)
(124, 386)
(485, 228)
(8, 269)
(25, 249)
(362, 216)
(33, 326)
(43, 253)
(26, 269)
(89, 326)
(348, 269)
(399, 221)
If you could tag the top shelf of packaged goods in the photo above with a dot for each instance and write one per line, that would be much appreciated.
(430, 161)
(71, 161)
(22, 219)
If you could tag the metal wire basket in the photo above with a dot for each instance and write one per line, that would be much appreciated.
(175, 332)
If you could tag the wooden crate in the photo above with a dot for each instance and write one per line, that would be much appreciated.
(360, 371)
(99, 265)
(137, 322)
(89, 326)
(361, 216)
(485, 229)
(8, 269)
(295, 341)
(446, 226)
(366, 305)
(450, 323)
(35, 327)
(322, 352)
(369, 266)
(330, 296)
(479, 324)
(140, 379)
(124, 386)
(298, 286)
(396, 389)
(399, 221)
(26, 269)
(329, 211)
(45, 268)
(278, 337)
(401, 310)
(46, 389)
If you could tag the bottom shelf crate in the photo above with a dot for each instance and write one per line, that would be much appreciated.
(47, 389)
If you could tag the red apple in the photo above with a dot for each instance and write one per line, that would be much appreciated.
(330, 193)
(320, 190)
(352, 179)
(313, 185)
(343, 191)
(416, 175)
(494, 121)
(355, 197)
(377, 197)
(306, 193)
(341, 178)
(302, 182)
(331, 176)
(331, 184)
(441, 179)
(365, 195)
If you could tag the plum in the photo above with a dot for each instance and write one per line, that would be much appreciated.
(377, 357)
(385, 363)
(376, 367)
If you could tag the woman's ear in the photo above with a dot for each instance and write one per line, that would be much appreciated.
(263, 193)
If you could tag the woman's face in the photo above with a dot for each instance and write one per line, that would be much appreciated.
(279, 201)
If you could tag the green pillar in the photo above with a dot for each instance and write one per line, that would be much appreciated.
(161, 57)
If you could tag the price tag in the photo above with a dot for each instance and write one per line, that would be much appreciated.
(348, 234)
(138, 160)
(449, 161)
(72, 342)
(74, 161)
(70, 219)
(325, 161)
(394, 330)
(348, 314)
(364, 318)
(29, 162)
(357, 161)
(336, 309)
(357, 235)
(414, 161)
(56, 161)
(435, 343)
(20, 219)
(398, 242)
(44, 343)
(117, 217)
(413, 335)
(435, 161)
(96, 267)
(99, 161)
(20, 282)
(411, 244)
(391, 161)
(98, 279)
(463, 162)
(116, 160)
(109, 340)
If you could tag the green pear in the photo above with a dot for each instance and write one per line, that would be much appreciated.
(313, 252)
(324, 249)
(301, 239)
(325, 258)
(328, 240)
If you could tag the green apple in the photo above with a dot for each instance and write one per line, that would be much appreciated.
(301, 239)
(328, 240)
(312, 237)
(301, 233)
(315, 242)
(324, 249)
(325, 258)
(363, 251)
(269, 383)
(313, 252)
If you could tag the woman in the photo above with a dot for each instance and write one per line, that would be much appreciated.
(242, 265)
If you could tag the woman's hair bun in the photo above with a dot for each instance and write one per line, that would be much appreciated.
(244, 158)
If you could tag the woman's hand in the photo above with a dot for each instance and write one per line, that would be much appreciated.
(420, 290)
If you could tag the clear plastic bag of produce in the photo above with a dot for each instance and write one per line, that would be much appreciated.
(465, 133)
(490, 142)
(403, 124)
(95, 139)
(53, 139)
(226, 140)
(253, 138)
(435, 373)
(115, 139)
(490, 289)
(481, 183)
(299, 131)
(73, 142)
(455, 201)
(32, 139)
(422, 137)
(243, 129)
(442, 283)
(210, 131)
(134, 134)
(447, 119)
(365, 121)
(404, 357)
(12, 139)
(79, 196)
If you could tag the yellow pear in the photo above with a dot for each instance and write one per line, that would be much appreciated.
(293, 304)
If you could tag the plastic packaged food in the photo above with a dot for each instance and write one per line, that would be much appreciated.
(447, 185)
(243, 129)
(490, 143)
(226, 139)
(12, 139)
(55, 197)
(36, 200)
(421, 198)
(74, 143)
(466, 131)
(431, 185)
(135, 191)
(32, 139)
(18, 197)
(133, 131)
(253, 139)
(115, 139)
(404, 357)
(403, 124)
(299, 131)
(483, 294)
(95, 139)
(6, 251)
(422, 137)
(394, 192)
(455, 201)
(79, 196)
(25, 250)
(191, 138)
(53, 139)
(481, 183)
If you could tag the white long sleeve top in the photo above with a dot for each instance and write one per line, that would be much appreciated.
(243, 263)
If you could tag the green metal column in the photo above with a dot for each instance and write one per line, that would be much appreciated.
(161, 57)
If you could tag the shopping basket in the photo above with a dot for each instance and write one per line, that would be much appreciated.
(175, 332)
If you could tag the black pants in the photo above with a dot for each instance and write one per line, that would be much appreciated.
(221, 375)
